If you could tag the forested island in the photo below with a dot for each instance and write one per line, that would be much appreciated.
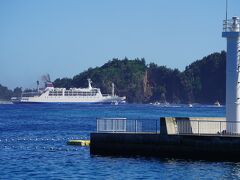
(203, 81)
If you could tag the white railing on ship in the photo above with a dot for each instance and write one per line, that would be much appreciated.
(30, 93)
(105, 95)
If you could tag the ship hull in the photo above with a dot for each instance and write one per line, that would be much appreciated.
(66, 101)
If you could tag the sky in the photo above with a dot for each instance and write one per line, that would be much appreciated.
(65, 37)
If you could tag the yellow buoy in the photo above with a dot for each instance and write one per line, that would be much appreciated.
(79, 142)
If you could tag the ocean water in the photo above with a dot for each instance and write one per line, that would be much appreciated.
(33, 144)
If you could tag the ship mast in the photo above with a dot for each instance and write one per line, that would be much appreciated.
(89, 83)
(113, 93)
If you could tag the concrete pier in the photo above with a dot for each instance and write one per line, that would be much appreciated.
(167, 144)
(170, 146)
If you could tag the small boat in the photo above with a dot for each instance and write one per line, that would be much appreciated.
(164, 104)
(190, 105)
(114, 103)
(156, 103)
(217, 104)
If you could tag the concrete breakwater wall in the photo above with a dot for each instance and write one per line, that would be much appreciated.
(171, 142)
(176, 146)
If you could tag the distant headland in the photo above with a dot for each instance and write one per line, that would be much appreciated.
(203, 81)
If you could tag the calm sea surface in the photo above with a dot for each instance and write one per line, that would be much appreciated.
(33, 144)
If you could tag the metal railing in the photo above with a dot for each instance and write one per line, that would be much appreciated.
(202, 127)
(124, 125)
(228, 25)
(178, 126)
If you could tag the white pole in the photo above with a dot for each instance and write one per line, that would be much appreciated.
(113, 93)
(231, 32)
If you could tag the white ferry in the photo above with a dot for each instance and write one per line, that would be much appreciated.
(73, 95)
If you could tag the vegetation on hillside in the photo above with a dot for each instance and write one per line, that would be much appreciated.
(201, 82)
(205, 79)
(6, 94)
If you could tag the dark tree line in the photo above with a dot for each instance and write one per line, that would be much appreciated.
(6, 94)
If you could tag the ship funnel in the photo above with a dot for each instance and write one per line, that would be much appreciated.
(37, 86)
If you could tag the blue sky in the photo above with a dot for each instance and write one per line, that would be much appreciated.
(66, 37)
